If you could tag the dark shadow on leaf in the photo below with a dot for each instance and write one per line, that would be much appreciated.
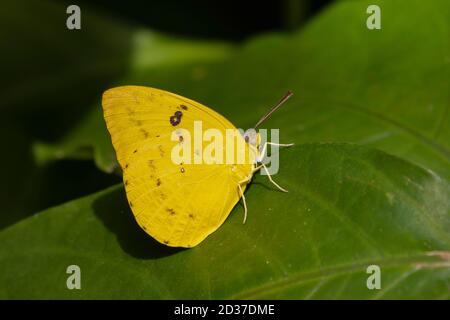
(113, 210)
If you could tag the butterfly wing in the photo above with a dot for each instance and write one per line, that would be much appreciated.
(179, 204)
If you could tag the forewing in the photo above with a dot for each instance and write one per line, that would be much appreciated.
(179, 204)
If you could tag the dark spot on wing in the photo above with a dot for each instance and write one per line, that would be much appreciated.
(131, 204)
(135, 151)
(182, 170)
(182, 106)
(158, 182)
(145, 133)
(126, 182)
(170, 211)
(191, 216)
(136, 122)
(163, 196)
(181, 138)
(174, 120)
(126, 166)
(161, 151)
(157, 135)
(151, 164)
(143, 227)
(166, 241)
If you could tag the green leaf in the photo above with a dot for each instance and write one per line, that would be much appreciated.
(385, 88)
(348, 207)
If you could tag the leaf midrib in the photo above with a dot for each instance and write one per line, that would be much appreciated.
(330, 272)
(393, 261)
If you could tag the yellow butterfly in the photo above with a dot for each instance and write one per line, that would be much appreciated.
(179, 203)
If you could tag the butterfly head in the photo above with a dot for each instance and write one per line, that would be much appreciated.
(252, 137)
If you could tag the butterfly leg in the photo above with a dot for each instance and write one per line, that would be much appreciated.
(256, 168)
(263, 151)
(243, 199)
(271, 180)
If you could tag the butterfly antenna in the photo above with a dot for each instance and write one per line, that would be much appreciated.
(274, 108)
